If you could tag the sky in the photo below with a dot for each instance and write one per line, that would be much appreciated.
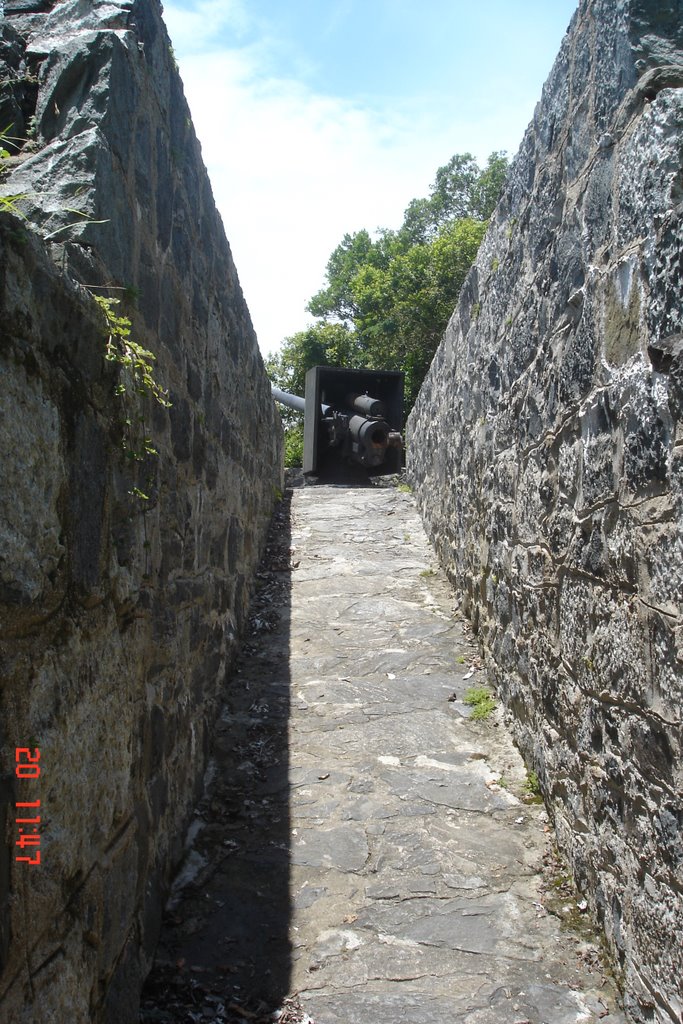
(319, 118)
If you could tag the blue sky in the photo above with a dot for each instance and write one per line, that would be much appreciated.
(321, 117)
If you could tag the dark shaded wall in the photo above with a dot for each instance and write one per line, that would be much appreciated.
(546, 454)
(119, 615)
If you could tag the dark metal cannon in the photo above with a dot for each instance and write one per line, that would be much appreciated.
(352, 416)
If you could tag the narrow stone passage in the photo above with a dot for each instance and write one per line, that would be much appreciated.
(380, 858)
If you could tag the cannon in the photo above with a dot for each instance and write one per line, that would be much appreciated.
(350, 416)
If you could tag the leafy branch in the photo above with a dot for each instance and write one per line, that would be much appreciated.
(129, 354)
(135, 362)
(136, 378)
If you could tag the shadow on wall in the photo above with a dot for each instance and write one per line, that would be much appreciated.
(225, 936)
(124, 574)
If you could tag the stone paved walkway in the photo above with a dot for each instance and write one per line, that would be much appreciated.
(378, 855)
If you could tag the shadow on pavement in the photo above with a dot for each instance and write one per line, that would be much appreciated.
(224, 952)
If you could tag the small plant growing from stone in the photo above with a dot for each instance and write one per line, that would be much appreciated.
(131, 356)
(8, 204)
(136, 378)
(532, 788)
(482, 702)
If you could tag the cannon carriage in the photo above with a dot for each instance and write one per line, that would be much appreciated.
(351, 417)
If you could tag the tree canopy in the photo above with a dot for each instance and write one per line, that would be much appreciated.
(386, 301)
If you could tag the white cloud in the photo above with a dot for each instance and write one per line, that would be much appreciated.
(292, 170)
(196, 28)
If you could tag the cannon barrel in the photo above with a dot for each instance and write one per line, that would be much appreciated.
(370, 438)
(295, 401)
(366, 405)
(291, 401)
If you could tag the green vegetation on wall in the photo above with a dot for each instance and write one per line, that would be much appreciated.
(137, 375)
(136, 382)
(8, 204)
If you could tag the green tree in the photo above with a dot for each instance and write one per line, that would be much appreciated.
(489, 185)
(404, 309)
(460, 190)
(353, 252)
(387, 300)
(453, 188)
(323, 344)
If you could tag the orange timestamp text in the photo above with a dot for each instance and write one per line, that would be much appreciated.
(27, 766)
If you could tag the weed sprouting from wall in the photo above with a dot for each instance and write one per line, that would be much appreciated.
(136, 379)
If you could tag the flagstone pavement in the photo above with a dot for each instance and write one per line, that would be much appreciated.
(365, 846)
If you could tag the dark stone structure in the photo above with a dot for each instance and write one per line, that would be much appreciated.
(120, 614)
(545, 451)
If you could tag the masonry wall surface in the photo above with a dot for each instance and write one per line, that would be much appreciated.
(546, 453)
(119, 614)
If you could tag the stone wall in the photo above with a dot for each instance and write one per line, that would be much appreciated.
(120, 614)
(546, 452)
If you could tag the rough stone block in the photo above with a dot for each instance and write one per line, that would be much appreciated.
(560, 518)
(120, 614)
